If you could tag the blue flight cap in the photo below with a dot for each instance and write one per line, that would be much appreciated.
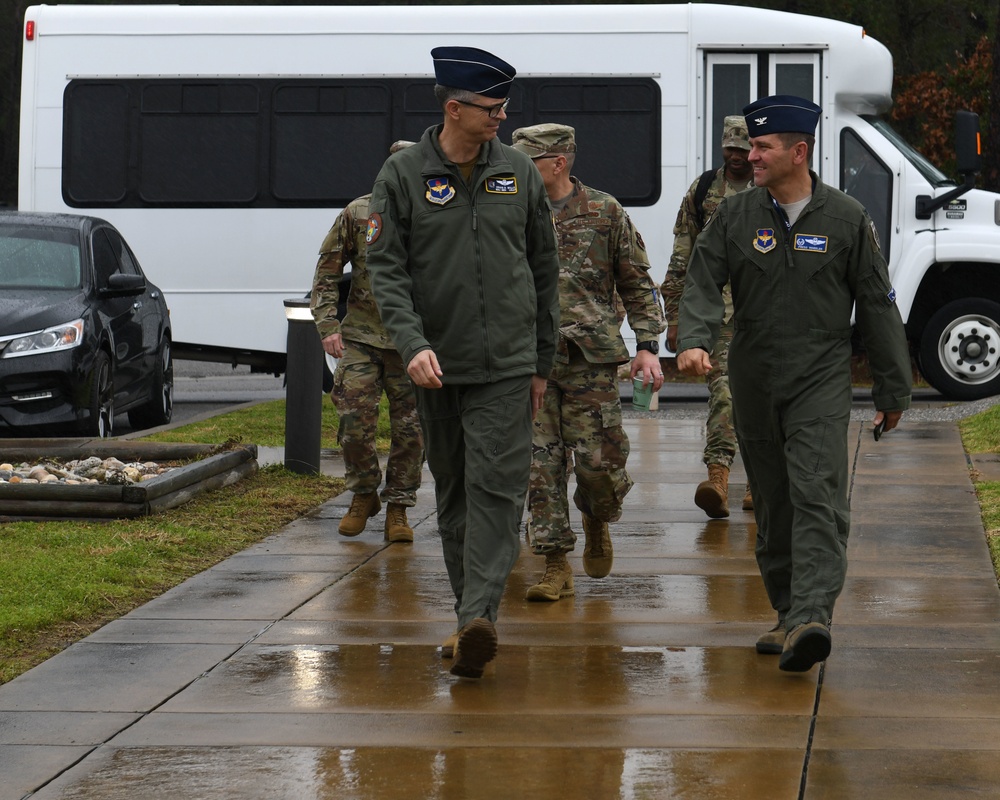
(472, 69)
(781, 113)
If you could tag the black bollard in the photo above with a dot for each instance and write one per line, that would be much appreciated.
(303, 389)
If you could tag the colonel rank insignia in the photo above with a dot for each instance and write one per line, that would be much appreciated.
(439, 191)
(501, 185)
(764, 242)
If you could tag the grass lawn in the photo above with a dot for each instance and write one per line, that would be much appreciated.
(981, 434)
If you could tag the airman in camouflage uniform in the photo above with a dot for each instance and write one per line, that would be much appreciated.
(733, 177)
(369, 364)
(602, 258)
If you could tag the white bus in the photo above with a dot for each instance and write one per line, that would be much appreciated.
(222, 141)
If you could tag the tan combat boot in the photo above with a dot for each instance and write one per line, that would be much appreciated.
(598, 554)
(363, 506)
(711, 496)
(397, 529)
(556, 583)
(748, 500)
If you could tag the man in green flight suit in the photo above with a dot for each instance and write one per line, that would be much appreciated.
(463, 263)
(800, 255)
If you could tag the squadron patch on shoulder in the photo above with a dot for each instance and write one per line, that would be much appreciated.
(765, 241)
(502, 185)
(439, 191)
(873, 236)
(374, 228)
(811, 242)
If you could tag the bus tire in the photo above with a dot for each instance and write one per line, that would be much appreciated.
(960, 349)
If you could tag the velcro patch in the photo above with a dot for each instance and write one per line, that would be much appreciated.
(811, 242)
(501, 185)
(374, 228)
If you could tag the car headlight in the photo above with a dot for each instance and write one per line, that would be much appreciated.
(58, 337)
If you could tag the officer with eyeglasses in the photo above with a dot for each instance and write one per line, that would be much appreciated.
(463, 263)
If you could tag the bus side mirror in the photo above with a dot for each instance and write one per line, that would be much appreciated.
(968, 147)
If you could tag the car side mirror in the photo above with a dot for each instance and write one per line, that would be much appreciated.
(122, 284)
(968, 145)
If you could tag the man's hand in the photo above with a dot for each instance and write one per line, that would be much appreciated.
(891, 418)
(424, 370)
(334, 345)
(538, 384)
(694, 362)
(647, 365)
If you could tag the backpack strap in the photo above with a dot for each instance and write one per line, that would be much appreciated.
(700, 193)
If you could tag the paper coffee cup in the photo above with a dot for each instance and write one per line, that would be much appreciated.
(641, 395)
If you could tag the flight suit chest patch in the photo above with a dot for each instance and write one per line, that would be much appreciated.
(502, 185)
(439, 191)
(765, 241)
(811, 242)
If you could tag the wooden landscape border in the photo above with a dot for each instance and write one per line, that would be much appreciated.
(211, 467)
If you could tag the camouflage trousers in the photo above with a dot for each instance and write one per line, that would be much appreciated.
(362, 375)
(578, 429)
(720, 446)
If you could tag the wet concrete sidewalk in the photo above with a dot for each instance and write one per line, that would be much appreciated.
(308, 665)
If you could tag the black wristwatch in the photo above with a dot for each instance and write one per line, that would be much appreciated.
(652, 346)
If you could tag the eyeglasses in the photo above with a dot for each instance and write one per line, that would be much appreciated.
(542, 158)
(492, 111)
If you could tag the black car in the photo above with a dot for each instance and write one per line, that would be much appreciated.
(83, 334)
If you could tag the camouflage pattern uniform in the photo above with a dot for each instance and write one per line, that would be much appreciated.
(602, 258)
(370, 365)
(720, 447)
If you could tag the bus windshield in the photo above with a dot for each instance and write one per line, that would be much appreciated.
(933, 175)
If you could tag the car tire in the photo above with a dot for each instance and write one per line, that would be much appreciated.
(159, 410)
(100, 400)
(960, 349)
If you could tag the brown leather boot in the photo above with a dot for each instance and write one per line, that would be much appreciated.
(748, 500)
(711, 496)
(598, 554)
(363, 507)
(397, 529)
(556, 583)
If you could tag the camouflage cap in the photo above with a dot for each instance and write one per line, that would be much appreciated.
(540, 140)
(734, 132)
(398, 145)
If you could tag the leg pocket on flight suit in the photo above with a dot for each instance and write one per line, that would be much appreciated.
(505, 449)
(807, 450)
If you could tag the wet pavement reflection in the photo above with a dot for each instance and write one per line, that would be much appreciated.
(308, 666)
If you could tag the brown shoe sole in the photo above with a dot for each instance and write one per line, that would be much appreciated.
(476, 647)
(808, 648)
(706, 497)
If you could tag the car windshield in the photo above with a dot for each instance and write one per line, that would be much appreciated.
(33, 257)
